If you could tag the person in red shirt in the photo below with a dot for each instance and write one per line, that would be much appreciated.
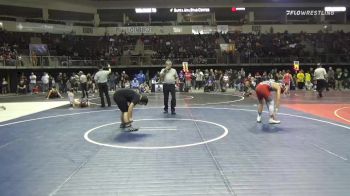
(263, 92)
(287, 80)
(188, 79)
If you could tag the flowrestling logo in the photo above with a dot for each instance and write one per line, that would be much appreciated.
(308, 13)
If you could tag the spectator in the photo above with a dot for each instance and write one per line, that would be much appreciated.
(83, 84)
(45, 82)
(74, 81)
(199, 79)
(32, 82)
(287, 80)
(127, 84)
(60, 82)
(34, 59)
(90, 83)
(64, 83)
(124, 78)
(301, 79)
(53, 94)
(346, 79)
(21, 87)
(111, 82)
(141, 77)
(224, 83)
(308, 81)
(339, 79)
(4, 86)
(218, 77)
(117, 79)
(52, 82)
(135, 84)
(188, 79)
(144, 88)
(331, 78)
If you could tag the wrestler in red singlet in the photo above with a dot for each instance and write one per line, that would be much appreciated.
(263, 92)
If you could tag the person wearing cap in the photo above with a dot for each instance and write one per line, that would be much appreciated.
(169, 77)
(101, 78)
(263, 92)
(83, 84)
(126, 99)
(320, 75)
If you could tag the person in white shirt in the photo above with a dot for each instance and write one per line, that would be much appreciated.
(4, 86)
(320, 75)
(45, 82)
(199, 79)
(83, 84)
(32, 82)
(101, 78)
(169, 77)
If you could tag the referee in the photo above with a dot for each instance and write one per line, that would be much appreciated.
(101, 79)
(169, 77)
(320, 75)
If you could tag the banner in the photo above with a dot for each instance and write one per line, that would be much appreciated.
(139, 30)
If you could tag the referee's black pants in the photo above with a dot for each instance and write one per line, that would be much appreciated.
(103, 89)
(320, 86)
(84, 90)
(169, 88)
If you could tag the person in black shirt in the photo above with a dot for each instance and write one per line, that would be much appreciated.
(64, 83)
(53, 93)
(21, 87)
(126, 99)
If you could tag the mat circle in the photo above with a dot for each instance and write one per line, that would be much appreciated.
(87, 138)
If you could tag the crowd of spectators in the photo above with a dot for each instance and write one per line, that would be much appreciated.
(43, 82)
(9, 45)
(286, 47)
(195, 49)
(217, 80)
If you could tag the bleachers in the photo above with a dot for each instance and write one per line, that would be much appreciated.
(274, 48)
